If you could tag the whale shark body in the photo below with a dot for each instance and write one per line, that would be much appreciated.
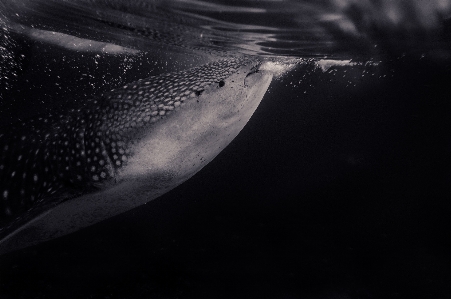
(60, 173)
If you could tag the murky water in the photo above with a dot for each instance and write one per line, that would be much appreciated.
(338, 186)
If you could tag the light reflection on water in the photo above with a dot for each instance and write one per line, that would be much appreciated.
(175, 35)
(288, 28)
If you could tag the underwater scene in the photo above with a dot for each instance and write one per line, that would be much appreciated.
(225, 149)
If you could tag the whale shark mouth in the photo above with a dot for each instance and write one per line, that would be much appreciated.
(254, 70)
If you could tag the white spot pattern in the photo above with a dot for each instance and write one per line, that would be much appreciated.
(88, 145)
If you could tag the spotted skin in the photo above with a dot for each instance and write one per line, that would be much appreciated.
(46, 160)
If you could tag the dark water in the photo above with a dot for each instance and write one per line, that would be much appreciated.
(338, 187)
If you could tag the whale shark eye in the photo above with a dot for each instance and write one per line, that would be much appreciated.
(221, 83)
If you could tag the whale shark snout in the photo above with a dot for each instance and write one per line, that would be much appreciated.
(65, 172)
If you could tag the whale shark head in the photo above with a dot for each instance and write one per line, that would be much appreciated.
(64, 172)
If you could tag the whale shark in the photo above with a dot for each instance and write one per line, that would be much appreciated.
(63, 172)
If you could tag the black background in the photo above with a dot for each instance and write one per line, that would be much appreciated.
(330, 191)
